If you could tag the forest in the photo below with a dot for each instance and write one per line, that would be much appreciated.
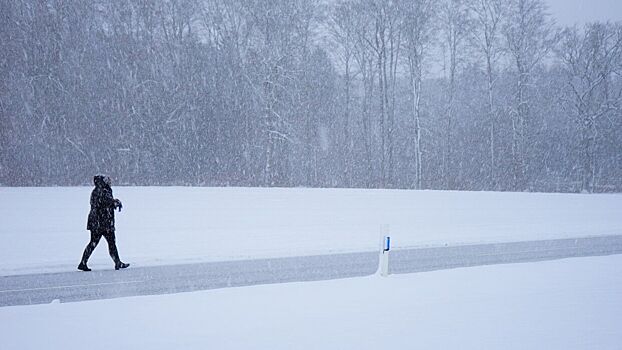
(410, 94)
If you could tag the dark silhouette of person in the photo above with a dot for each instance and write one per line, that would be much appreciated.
(101, 222)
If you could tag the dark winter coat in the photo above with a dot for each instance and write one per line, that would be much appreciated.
(101, 216)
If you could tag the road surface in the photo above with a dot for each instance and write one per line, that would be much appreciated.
(104, 284)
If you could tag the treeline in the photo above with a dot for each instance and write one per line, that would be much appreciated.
(425, 94)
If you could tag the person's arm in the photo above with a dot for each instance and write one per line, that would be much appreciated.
(118, 204)
(106, 200)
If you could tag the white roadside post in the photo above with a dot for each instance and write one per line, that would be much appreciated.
(384, 256)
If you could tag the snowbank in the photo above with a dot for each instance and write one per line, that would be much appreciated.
(562, 304)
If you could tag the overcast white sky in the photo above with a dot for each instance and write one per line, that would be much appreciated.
(569, 12)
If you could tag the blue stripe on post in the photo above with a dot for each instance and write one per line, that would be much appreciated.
(387, 241)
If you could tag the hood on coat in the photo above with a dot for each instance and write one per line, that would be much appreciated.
(102, 180)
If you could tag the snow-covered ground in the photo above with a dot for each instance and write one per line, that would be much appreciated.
(563, 304)
(44, 229)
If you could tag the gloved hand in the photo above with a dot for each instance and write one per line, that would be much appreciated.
(118, 204)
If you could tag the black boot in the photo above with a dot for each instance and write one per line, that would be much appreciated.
(83, 267)
(120, 265)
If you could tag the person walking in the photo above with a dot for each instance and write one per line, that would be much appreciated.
(101, 222)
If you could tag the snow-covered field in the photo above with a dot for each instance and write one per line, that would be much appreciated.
(44, 229)
(563, 304)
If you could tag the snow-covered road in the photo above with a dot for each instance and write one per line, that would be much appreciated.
(152, 280)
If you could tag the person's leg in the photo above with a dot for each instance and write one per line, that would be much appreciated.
(112, 246)
(112, 249)
(95, 237)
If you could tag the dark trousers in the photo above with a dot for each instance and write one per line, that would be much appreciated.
(95, 237)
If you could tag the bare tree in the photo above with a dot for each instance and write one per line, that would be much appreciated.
(485, 38)
(280, 37)
(530, 35)
(386, 42)
(342, 25)
(454, 26)
(364, 58)
(591, 59)
(419, 16)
